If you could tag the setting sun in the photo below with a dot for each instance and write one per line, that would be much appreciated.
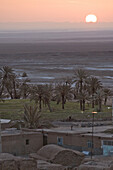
(91, 18)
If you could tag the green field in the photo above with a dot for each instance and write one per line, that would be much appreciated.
(14, 109)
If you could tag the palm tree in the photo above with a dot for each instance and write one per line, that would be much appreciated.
(24, 88)
(99, 95)
(83, 97)
(37, 93)
(15, 85)
(79, 79)
(67, 80)
(63, 92)
(31, 116)
(41, 93)
(47, 95)
(107, 93)
(93, 84)
(24, 74)
(1, 87)
(5, 75)
(6, 72)
(9, 81)
(75, 92)
(2, 94)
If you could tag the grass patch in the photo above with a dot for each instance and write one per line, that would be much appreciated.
(14, 109)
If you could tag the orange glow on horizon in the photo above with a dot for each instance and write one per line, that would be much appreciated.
(54, 10)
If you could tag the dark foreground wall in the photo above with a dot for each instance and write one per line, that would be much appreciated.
(10, 162)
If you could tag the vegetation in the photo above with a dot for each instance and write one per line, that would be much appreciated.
(14, 109)
(11, 85)
(80, 79)
(42, 93)
(70, 96)
(63, 92)
(31, 116)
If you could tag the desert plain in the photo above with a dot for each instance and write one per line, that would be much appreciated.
(49, 56)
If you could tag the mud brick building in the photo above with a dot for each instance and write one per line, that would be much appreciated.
(18, 142)
(24, 142)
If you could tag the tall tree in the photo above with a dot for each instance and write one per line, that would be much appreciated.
(48, 92)
(107, 93)
(79, 79)
(37, 93)
(9, 82)
(24, 88)
(6, 74)
(93, 84)
(63, 91)
(99, 95)
(83, 96)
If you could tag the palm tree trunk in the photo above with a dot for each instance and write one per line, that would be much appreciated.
(80, 104)
(14, 86)
(75, 97)
(49, 106)
(96, 102)
(10, 93)
(99, 105)
(80, 86)
(40, 105)
(83, 105)
(93, 104)
(63, 102)
(2, 89)
(25, 95)
(58, 101)
(105, 101)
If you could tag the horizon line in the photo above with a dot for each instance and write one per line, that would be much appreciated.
(53, 22)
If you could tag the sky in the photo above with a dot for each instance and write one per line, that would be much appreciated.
(72, 11)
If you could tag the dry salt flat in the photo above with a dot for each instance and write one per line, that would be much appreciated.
(47, 57)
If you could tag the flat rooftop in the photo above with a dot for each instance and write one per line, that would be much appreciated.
(104, 135)
(76, 130)
(98, 131)
(14, 131)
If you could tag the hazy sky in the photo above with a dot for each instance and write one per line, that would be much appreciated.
(54, 10)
